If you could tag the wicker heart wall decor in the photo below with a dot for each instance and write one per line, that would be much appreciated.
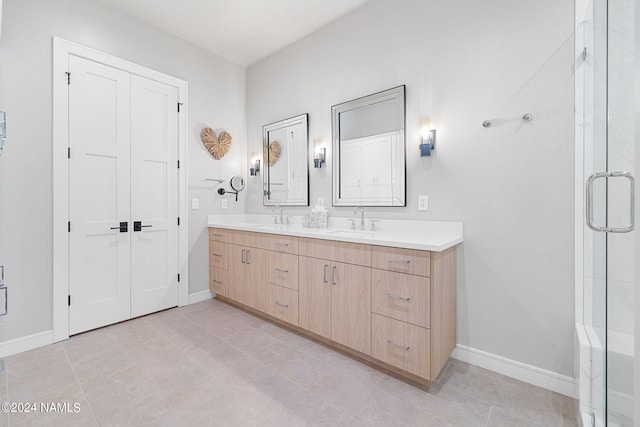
(218, 145)
(272, 156)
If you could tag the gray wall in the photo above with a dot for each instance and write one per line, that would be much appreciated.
(463, 61)
(216, 95)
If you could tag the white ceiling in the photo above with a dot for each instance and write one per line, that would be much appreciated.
(243, 31)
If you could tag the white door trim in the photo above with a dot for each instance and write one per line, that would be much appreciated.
(61, 51)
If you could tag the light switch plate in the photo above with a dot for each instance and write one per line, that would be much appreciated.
(423, 202)
(223, 203)
(195, 204)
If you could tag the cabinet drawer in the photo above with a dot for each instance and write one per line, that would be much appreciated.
(349, 253)
(401, 344)
(219, 254)
(286, 244)
(219, 281)
(246, 238)
(283, 270)
(219, 234)
(409, 261)
(283, 304)
(401, 296)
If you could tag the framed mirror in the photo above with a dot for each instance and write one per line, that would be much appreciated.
(369, 150)
(286, 162)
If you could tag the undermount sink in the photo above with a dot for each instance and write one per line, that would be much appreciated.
(352, 233)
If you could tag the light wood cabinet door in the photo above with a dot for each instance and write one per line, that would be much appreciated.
(256, 286)
(401, 296)
(219, 281)
(351, 306)
(237, 274)
(402, 345)
(314, 295)
(410, 261)
(283, 270)
(247, 276)
(283, 304)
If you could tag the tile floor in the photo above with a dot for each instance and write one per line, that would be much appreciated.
(212, 364)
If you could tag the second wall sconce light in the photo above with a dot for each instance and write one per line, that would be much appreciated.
(320, 158)
(255, 167)
(428, 142)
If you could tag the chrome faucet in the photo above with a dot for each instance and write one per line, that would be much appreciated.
(281, 214)
(361, 209)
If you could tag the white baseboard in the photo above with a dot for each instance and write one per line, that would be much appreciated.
(530, 374)
(9, 348)
(200, 296)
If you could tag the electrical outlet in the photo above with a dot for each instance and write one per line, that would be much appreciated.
(223, 203)
(195, 204)
(423, 202)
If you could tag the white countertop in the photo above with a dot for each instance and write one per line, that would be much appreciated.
(434, 236)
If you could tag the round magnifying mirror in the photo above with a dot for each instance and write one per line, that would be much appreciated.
(237, 183)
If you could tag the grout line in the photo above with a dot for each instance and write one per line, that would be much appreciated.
(489, 416)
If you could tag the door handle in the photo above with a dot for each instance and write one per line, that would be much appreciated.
(248, 252)
(242, 256)
(325, 273)
(124, 227)
(589, 202)
(137, 226)
(333, 276)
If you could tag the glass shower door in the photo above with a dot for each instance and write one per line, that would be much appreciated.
(608, 235)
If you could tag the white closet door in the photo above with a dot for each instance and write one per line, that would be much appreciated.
(154, 187)
(99, 195)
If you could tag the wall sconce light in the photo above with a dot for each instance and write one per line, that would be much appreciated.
(428, 142)
(320, 158)
(255, 167)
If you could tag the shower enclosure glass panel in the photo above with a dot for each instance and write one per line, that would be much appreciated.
(608, 124)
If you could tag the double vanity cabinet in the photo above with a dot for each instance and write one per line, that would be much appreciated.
(390, 306)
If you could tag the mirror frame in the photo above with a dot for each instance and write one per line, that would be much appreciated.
(266, 176)
(396, 93)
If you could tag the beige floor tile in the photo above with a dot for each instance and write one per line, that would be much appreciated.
(212, 364)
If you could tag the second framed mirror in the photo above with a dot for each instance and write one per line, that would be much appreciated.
(286, 162)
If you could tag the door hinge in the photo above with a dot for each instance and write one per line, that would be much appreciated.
(69, 226)
(178, 277)
(179, 105)
(69, 300)
(178, 220)
(68, 77)
(68, 152)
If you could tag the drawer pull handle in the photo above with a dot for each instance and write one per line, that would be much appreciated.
(398, 260)
(401, 347)
(217, 281)
(281, 270)
(281, 304)
(282, 244)
(392, 296)
(217, 254)
(217, 235)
